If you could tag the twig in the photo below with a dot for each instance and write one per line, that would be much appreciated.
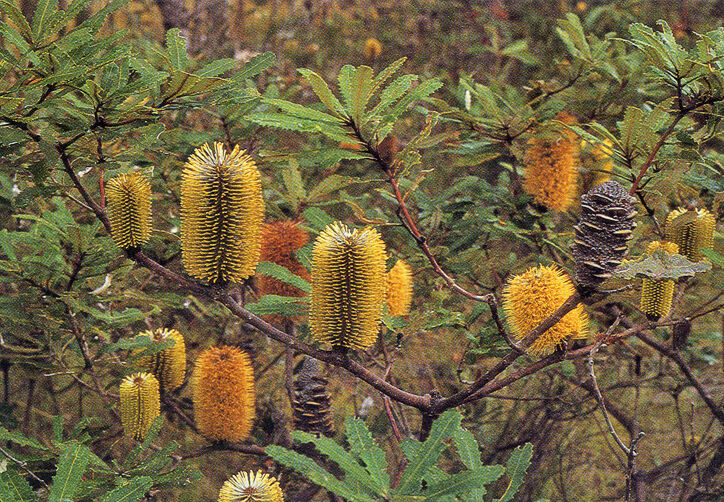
(24, 466)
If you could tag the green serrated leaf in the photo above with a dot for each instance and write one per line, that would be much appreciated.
(176, 47)
(321, 89)
(71, 466)
(57, 424)
(360, 91)
(283, 274)
(329, 185)
(366, 449)
(344, 81)
(464, 482)
(17, 438)
(302, 111)
(45, 10)
(217, 67)
(293, 183)
(255, 66)
(97, 20)
(9, 8)
(515, 469)
(354, 473)
(14, 488)
(282, 305)
(660, 265)
(385, 75)
(316, 474)
(428, 453)
(131, 491)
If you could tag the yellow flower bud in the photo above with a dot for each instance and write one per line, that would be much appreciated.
(169, 365)
(691, 230)
(399, 288)
(657, 294)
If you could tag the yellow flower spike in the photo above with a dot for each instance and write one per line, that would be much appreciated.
(128, 202)
(691, 230)
(251, 487)
(140, 404)
(551, 171)
(535, 294)
(399, 288)
(169, 365)
(657, 294)
(223, 394)
(221, 214)
(348, 286)
(373, 48)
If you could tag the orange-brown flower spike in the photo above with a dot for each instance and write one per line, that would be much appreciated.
(128, 201)
(399, 288)
(169, 365)
(140, 404)
(534, 295)
(251, 487)
(551, 171)
(691, 230)
(657, 294)
(348, 286)
(280, 241)
(222, 210)
(223, 394)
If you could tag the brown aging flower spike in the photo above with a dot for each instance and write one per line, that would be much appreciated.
(531, 297)
(169, 365)
(140, 404)
(348, 286)
(128, 201)
(251, 487)
(399, 288)
(222, 210)
(280, 241)
(223, 394)
(692, 230)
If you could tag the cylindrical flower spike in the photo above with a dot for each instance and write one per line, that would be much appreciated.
(531, 297)
(128, 199)
(399, 288)
(691, 230)
(223, 394)
(657, 294)
(251, 487)
(348, 286)
(169, 365)
(221, 214)
(140, 404)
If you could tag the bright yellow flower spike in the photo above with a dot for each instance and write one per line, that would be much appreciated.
(692, 231)
(140, 404)
(657, 294)
(251, 487)
(221, 214)
(348, 286)
(169, 365)
(399, 288)
(128, 201)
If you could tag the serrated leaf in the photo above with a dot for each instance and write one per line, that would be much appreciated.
(97, 20)
(354, 473)
(18, 438)
(316, 474)
(329, 185)
(217, 67)
(14, 488)
(467, 448)
(302, 111)
(176, 47)
(571, 32)
(9, 8)
(420, 92)
(133, 490)
(344, 81)
(255, 66)
(660, 265)
(57, 424)
(428, 453)
(293, 183)
(71, 466)
(321, 89)
(43, 15)
(515, 469)
(464, 482)
(362, 445)
(385, 75)
(282, 274)
(360, 91)
(317, 218)
(392, 93)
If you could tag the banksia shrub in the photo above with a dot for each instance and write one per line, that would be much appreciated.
(128, 201)
(251, 487)
(692, 230)
(140, 404)
(311, 400)
(399, 288)
(602, 233)
(280, 241)
(551, 171)
(656, 294)
(169, 365)
(531, 297)
(221, 214)
(223, 394)
(348, 286)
